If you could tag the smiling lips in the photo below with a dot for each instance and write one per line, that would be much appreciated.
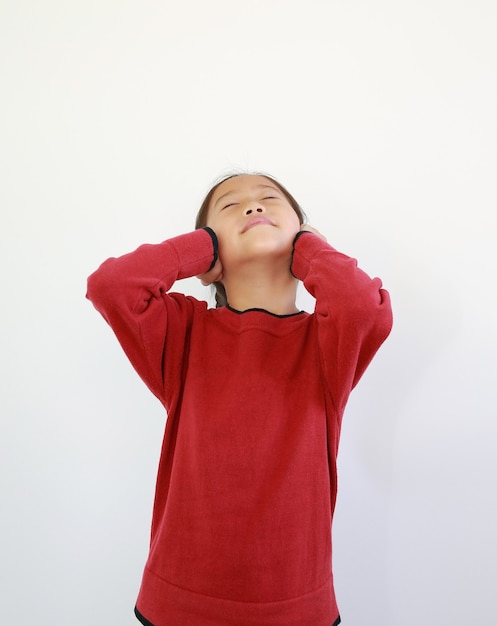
(255, 221)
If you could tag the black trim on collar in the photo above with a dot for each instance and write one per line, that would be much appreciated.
(230, 308)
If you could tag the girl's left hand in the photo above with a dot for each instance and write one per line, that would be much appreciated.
(310, 229)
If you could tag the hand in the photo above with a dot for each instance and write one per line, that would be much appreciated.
(310, 229)
(214, 275)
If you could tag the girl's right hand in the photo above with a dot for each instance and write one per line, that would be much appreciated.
(214, 275)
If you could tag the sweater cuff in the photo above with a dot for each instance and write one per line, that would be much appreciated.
(305, 248)
(196, 252)
(215, 244)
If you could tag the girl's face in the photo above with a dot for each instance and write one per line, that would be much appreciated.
(252, 219)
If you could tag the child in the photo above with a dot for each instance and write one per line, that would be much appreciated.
(254, 391)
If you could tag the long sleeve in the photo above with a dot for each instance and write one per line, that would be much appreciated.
(131, 293)
(353, 313)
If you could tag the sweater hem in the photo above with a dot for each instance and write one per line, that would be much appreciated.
(143, 620)
(165, 604)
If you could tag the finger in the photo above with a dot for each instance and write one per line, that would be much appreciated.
(311, 229)
(213, 275)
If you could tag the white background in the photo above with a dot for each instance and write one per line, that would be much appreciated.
(380, 117)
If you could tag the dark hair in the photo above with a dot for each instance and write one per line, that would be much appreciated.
(201, 220)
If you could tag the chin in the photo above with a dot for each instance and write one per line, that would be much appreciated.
(267, 251)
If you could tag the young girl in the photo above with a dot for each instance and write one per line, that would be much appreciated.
(254, 391)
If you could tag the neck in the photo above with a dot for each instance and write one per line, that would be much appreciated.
(262, 287)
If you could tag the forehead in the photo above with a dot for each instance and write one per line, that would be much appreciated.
(242, 183)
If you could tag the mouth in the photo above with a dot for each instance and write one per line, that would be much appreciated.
(256, 221)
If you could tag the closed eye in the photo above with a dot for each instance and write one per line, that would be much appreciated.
(226, 206)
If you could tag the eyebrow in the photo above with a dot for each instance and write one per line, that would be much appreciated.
(256, 187)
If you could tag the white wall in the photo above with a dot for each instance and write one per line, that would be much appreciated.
(380, 118)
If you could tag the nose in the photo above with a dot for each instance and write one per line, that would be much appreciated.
(253, 207)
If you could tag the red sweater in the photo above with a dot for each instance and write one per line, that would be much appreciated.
(246, 486)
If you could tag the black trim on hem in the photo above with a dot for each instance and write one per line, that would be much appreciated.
(230, 308)
(144, 620)
(215, 244)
